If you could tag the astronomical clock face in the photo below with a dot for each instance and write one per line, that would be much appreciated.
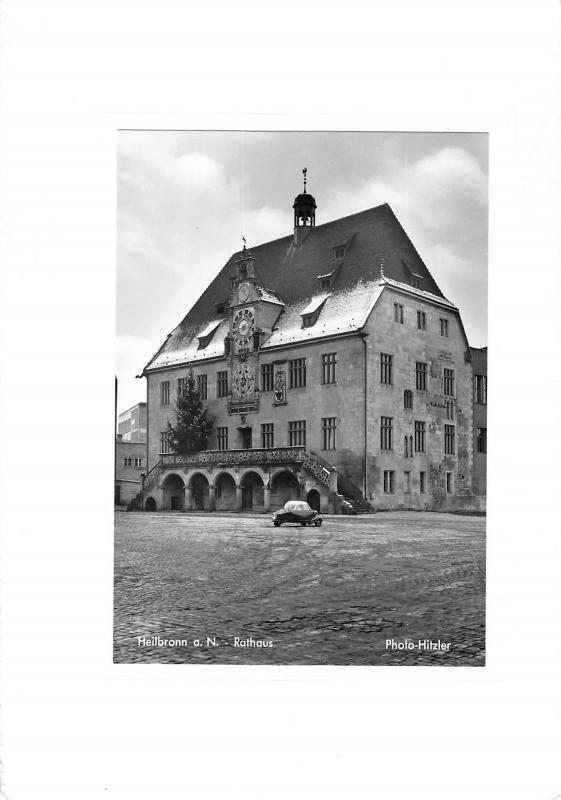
(243, 327)
(243, 381)
(244, 292)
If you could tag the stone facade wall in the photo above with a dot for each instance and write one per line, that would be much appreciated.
(127, 478)
(345, 400)
(408, 344)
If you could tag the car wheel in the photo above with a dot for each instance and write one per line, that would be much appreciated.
(318, 522)
(303, 524)
(276, 524)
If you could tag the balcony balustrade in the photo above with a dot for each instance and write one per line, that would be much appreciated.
(272, 455)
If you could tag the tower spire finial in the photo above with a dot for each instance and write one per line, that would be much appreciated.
(382, 276)
(304, 172)
(244, 247)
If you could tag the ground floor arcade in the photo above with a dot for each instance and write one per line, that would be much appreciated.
(250, 489)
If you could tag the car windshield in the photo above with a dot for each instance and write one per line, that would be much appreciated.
(294, 505)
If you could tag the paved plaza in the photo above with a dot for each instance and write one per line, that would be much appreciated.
(396, 588)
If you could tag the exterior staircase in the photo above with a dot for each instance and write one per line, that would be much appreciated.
(347, 491)
(137, 502)
(348, 497)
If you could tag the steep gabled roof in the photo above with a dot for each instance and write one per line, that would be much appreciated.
(290, 272)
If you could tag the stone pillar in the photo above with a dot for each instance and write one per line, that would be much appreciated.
(333, 487)
(266, 498)
(188, 498)
(211, 498)
(239, 501)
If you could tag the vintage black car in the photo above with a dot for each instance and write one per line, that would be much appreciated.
(298, 512)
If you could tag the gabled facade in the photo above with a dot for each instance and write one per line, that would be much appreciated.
(334, 369)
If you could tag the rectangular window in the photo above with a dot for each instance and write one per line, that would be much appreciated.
(421, 320)
(481, 389)
(449, 382)
(222, 383)
(422, 482)
(137, 462)
(328, 366)
(222, 438)
(407, 482)
(202, 386)
(443, 327)
(449, 440)
(449, 409)
(389, 481)
(398, 313)
(420, 431)
(328, 429)
(297, 373)
(164, 393)
(482, 440)
(386, 368)
(421, 376)
(164, 442)
(267, 435)
(408, 399)
(267, 377)
(386, 433)
(449, 482)
(181, 385)
(128, 462)
(339, 252)
(297, 433)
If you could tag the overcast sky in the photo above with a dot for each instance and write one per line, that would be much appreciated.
(185, 199)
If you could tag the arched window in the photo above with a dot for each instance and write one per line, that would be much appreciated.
(408, 399)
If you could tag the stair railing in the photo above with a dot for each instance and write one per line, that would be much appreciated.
(344, 485)
(151, 476)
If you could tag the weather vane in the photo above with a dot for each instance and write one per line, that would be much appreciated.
(243, 237)
(304, 171)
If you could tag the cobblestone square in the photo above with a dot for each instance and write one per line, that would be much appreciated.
(200, 588)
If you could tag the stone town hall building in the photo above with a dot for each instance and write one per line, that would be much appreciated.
(333, 367)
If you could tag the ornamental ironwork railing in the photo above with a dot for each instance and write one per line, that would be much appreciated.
(344, 485)
(152, 475)
(274, 455)
(318, 469)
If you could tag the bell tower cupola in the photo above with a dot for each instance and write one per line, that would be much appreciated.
(304, 213)
(245, 264)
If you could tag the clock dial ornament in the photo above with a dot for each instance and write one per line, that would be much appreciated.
(243, 292)
(243, 327)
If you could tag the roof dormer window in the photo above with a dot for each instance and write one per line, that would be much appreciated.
(312, 311)
(205, 336)
(339, 251)
(327, 279)
(221, 307)
(414, 277)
